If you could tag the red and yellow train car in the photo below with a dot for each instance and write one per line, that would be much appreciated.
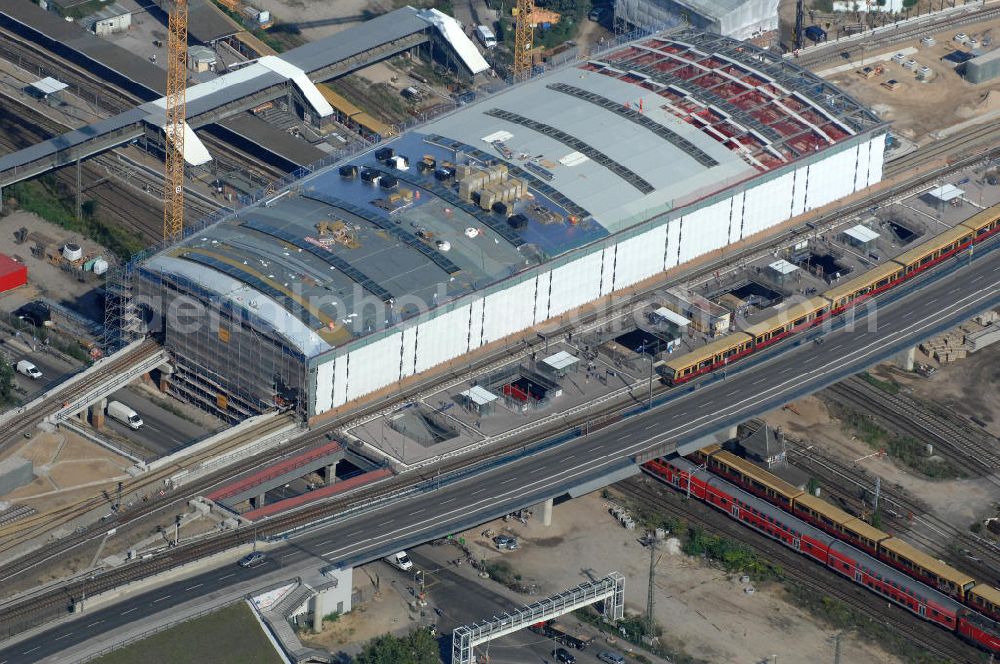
(918, 564)
(984, 598)
(935, 250)
(985, 223)
(707, 358)
(792, 319)
(754, 479)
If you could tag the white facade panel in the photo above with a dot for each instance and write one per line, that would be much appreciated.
(374, 366)
(575, 284)
(876, 160)
(670, 258)
(542, 296)
(409, 357)
(861, 174)
(443, 338)
(340, 374)
(324, 388)
(640, 257)
(799, 193)
(705, 230)
(831, 179)
(509, 311)
(476, 324)
(736, 218)
(608, 270)
(767, 204)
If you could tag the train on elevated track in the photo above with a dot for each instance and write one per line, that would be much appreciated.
(884, 564)
(811, 312)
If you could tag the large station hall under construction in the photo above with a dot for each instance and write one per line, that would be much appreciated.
(507, 212)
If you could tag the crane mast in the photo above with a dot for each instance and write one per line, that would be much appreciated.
(524, 34)
(173, 185)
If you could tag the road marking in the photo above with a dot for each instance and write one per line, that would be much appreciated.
(130, 610)
(711, 415)
(420, 511)
(386, 522)
(196, 586)
(509, 480)
(569, 456)
(223, 578)
(836, 346)
(27, 652)
(450, 500)
(476, 493)
(758, 382)
(94, 623)
(289, 555)
(161, 599)
(60, 638)
(930, 302)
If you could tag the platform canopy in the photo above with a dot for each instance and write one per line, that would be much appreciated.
(560, 361)
(671, 317)
(783, 267)
(861, 234)
(49, 86)
(479, 395)
(946, 192)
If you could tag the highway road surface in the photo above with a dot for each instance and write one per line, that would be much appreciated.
(750, 388)
(162, 431)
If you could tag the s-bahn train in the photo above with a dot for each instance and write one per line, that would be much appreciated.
(826, 549)
(815, 310)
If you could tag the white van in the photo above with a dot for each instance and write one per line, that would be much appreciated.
(28, 369)
(400, 561)
(119, 411)
(486, 36)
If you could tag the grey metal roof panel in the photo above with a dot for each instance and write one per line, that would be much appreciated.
(379, 30)
(70, 139)
(273, 139)
(207, 23)
(233, 92)
(72, 36)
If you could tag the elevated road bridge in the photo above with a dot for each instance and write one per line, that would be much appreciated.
(571, 463)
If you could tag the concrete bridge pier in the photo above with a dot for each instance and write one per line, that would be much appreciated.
(97, 414)
(546, 512)
(906, 358)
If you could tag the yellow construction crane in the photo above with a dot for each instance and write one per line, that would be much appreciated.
(524, 36)
(173, 183)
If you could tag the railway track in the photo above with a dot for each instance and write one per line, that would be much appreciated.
(890, 37)
(960, 548)
(933, 640)
(987, 135)
(467, 464)
(974, 451)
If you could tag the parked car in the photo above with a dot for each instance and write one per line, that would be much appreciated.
(564, 656)
(506, 542)
(253, 559)
(961, 38)
(611, 658)
(597, 13)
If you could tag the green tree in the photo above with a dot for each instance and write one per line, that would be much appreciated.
(6, 383)
(417, 647)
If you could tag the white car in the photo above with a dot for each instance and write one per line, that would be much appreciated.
(961, 38)
(898, 58)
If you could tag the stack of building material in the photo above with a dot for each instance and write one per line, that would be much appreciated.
(987, 336)
(947, 347)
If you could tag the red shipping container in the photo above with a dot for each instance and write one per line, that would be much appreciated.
(12, 273)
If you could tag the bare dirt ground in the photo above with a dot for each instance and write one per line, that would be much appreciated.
(44, 278)
(387, 611)
(703, 610)
(67, 468)
(917, 108)
(969, 387)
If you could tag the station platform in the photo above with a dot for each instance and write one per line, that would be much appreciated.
(279, 474)
(342, 486)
